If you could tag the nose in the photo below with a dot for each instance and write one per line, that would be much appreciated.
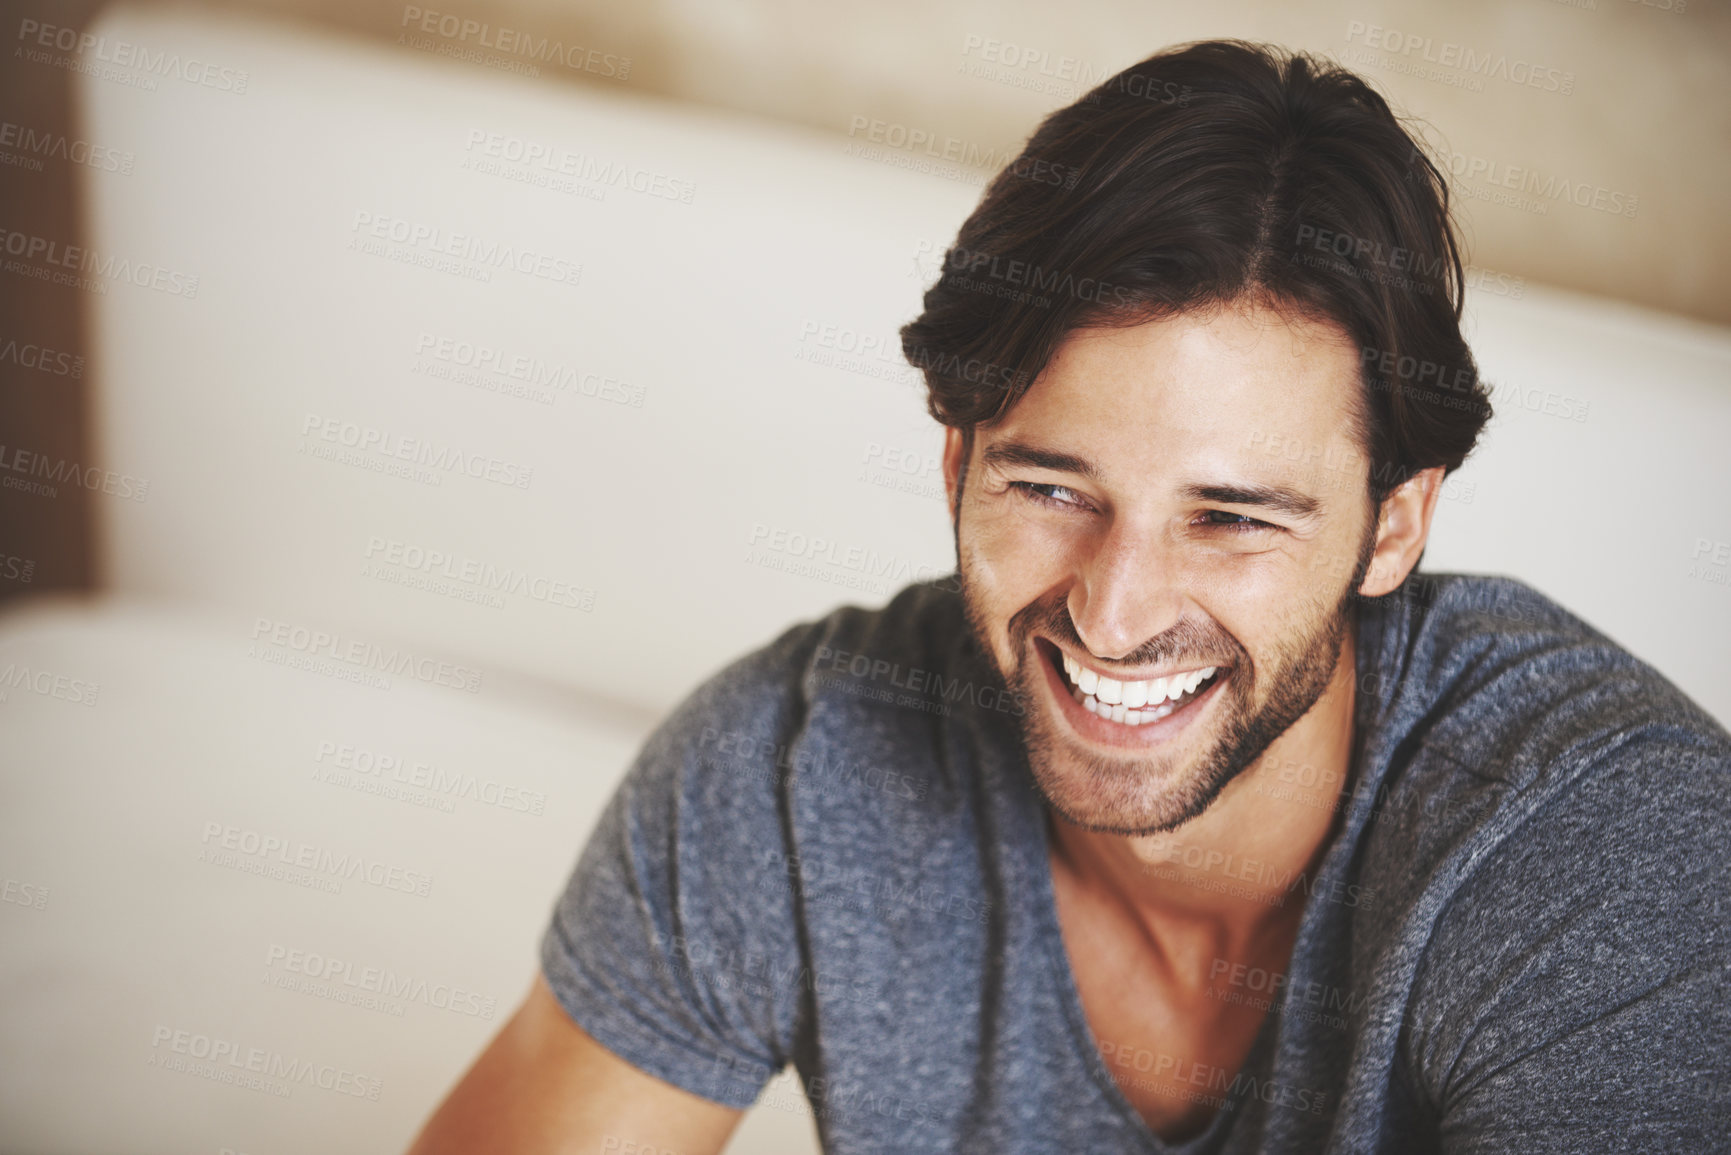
(1126, 591)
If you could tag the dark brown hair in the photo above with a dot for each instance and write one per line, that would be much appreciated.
(1210, 173)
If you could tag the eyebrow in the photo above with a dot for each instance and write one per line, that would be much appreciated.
(1275, 497)
(1032, 456)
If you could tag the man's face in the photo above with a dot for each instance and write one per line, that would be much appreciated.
(1181, 496)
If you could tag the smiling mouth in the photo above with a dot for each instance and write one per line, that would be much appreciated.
(1127, 702)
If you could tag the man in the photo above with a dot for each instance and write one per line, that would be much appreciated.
(1187, 816)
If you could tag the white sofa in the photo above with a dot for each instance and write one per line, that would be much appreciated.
(341, 720)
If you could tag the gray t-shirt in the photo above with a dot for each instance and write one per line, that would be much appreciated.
(832, 854)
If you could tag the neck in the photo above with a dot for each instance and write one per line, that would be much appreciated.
(1232, 873)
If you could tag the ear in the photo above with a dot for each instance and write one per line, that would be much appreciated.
(1403, 526)
(955, 449)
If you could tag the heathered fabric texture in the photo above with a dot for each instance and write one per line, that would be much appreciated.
(1516, 941)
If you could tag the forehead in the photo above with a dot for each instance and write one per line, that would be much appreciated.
(1241, 387)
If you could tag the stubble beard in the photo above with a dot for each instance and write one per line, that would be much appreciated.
(1151, 795)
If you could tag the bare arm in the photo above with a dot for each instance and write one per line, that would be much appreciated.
(544, 1086)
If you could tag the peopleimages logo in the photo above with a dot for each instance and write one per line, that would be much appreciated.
(1709, 560)
(1464, 58)
(365, 767)
(61, 263)
(42, 359)
(17, 569)
(853, 558)
(742, 753)
(931, 684)
(534, 373)
(879, 892)
(389, 444)
(1535, 189)
(1365, 249)
(36, 37)
(372, 231)
(31, 896)
(1069, 69)
(582, 167)
(257, 1068)
(927, 142)
(62, 472)
(341, 979)
(271, 854)
(515, 42)
(483, 576)
(36, 143)
(1182, 1075)
(48, 684)
(977, 264)
(274, 640)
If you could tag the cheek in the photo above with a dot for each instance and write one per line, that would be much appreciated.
(1239, 584)
(1266, 601)
(1290, 581)
(1017, 549)
(1272, 620)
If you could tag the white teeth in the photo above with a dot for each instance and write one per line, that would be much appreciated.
(1121, 714)
(1131, 703)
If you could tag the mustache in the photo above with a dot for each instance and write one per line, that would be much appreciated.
(1185, 640)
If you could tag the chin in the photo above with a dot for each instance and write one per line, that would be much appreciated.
(1111, 802)
(1116, 779)
(1153, 773)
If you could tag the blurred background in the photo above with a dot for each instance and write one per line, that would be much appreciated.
(1646, 118)
(403, 406)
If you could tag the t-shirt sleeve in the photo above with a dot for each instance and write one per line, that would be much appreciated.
(1575, 996)
(674, 943)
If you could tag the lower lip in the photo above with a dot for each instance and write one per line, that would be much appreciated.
(1110, 733)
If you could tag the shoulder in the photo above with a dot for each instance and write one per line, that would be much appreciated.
(1598, 766)
(758, 714)
(1510, 686)
(681, 935)
(1585, 945)
(774, 685)
(1586, 907)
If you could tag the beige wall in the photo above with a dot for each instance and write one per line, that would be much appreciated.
(1648, 120)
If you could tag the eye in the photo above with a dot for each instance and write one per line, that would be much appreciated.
(1233, 522)
(1045, 493)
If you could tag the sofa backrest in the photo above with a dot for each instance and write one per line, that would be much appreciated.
(608, 390)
